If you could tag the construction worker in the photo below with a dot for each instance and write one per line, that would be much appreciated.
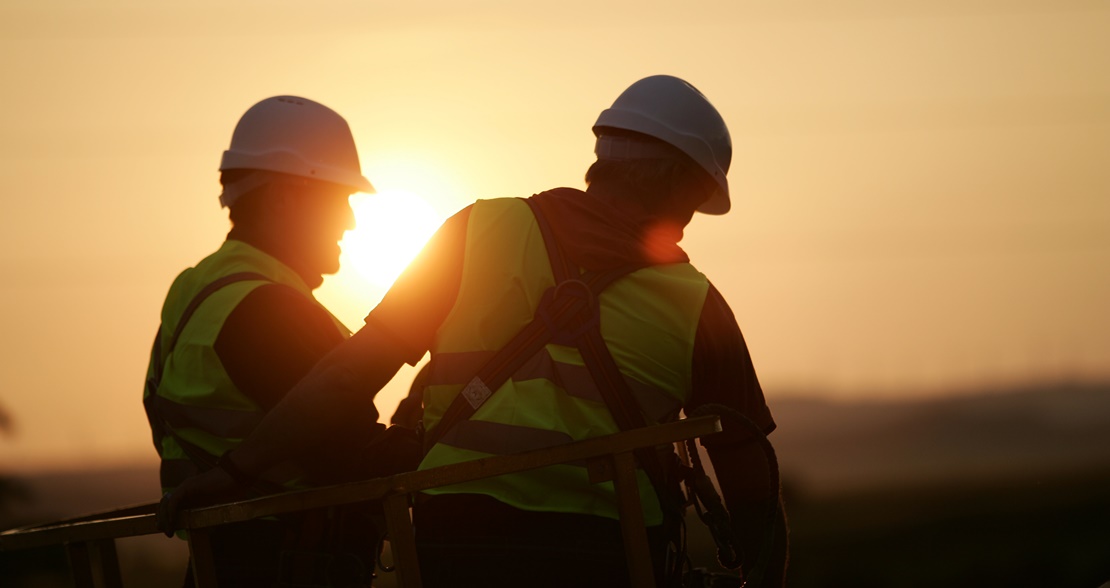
(242, 327)
(491, 272)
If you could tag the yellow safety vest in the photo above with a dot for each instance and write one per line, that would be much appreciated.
(196, 399)
(648, 319)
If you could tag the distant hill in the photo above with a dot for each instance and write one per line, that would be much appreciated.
(55, 495)
(826, 446)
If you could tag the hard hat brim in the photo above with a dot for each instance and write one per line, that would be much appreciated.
(289, 163)
(718, 203)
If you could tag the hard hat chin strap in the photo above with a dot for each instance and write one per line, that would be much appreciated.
(243, 186)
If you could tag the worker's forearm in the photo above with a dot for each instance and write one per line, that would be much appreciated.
(323, 401)
(335, 396)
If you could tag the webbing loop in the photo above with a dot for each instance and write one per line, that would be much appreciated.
(569, 327)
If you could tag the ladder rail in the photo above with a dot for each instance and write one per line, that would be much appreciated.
(610, 454)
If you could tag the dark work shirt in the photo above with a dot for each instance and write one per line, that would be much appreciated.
(415, 307)
(271, 340)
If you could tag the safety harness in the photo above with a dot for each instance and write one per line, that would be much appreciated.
(569, 314)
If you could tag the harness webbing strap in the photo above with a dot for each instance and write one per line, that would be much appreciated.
(572, 295)
(527, 342)
(599, 360)
(601, 364)
(576, 380)
(560, 306)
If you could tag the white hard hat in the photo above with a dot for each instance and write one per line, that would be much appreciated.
(671, 110)
(294, 136)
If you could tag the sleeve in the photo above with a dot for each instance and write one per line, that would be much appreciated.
(723, 372)
(414, 308)
(272, 339)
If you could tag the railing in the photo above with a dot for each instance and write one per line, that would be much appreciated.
(90, 540)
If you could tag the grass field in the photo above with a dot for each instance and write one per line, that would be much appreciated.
(1017, 532)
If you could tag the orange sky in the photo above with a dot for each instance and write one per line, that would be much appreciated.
(921, 192)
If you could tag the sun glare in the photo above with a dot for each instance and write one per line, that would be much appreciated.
(390, 229)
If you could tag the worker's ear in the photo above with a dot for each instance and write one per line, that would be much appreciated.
(282, 200)
(683, 201)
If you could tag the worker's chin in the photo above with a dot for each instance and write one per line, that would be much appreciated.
(330, 268)
(314, 281)
(325, 266)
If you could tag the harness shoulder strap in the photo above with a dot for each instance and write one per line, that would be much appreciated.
(159, 356)
(599, 360)
(561, 317)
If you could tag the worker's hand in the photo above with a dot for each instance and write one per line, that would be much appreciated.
(199, 489)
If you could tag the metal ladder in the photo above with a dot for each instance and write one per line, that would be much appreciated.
(90, 540)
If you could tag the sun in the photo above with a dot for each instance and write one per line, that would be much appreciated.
(390, 229)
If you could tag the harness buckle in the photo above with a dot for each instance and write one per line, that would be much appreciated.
(572, 326)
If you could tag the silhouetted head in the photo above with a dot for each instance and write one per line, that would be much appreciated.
(655, 177)
(296, 220)
(663, 142)
(287, 177)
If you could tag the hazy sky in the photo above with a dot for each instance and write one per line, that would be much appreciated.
(921, 188)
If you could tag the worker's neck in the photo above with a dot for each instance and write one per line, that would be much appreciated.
(618, 199)
(279, 247)
(674, 211)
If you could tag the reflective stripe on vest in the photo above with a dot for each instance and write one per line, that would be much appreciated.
(196, 397)
(648, 319)
(218, 421)
(657, 404)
